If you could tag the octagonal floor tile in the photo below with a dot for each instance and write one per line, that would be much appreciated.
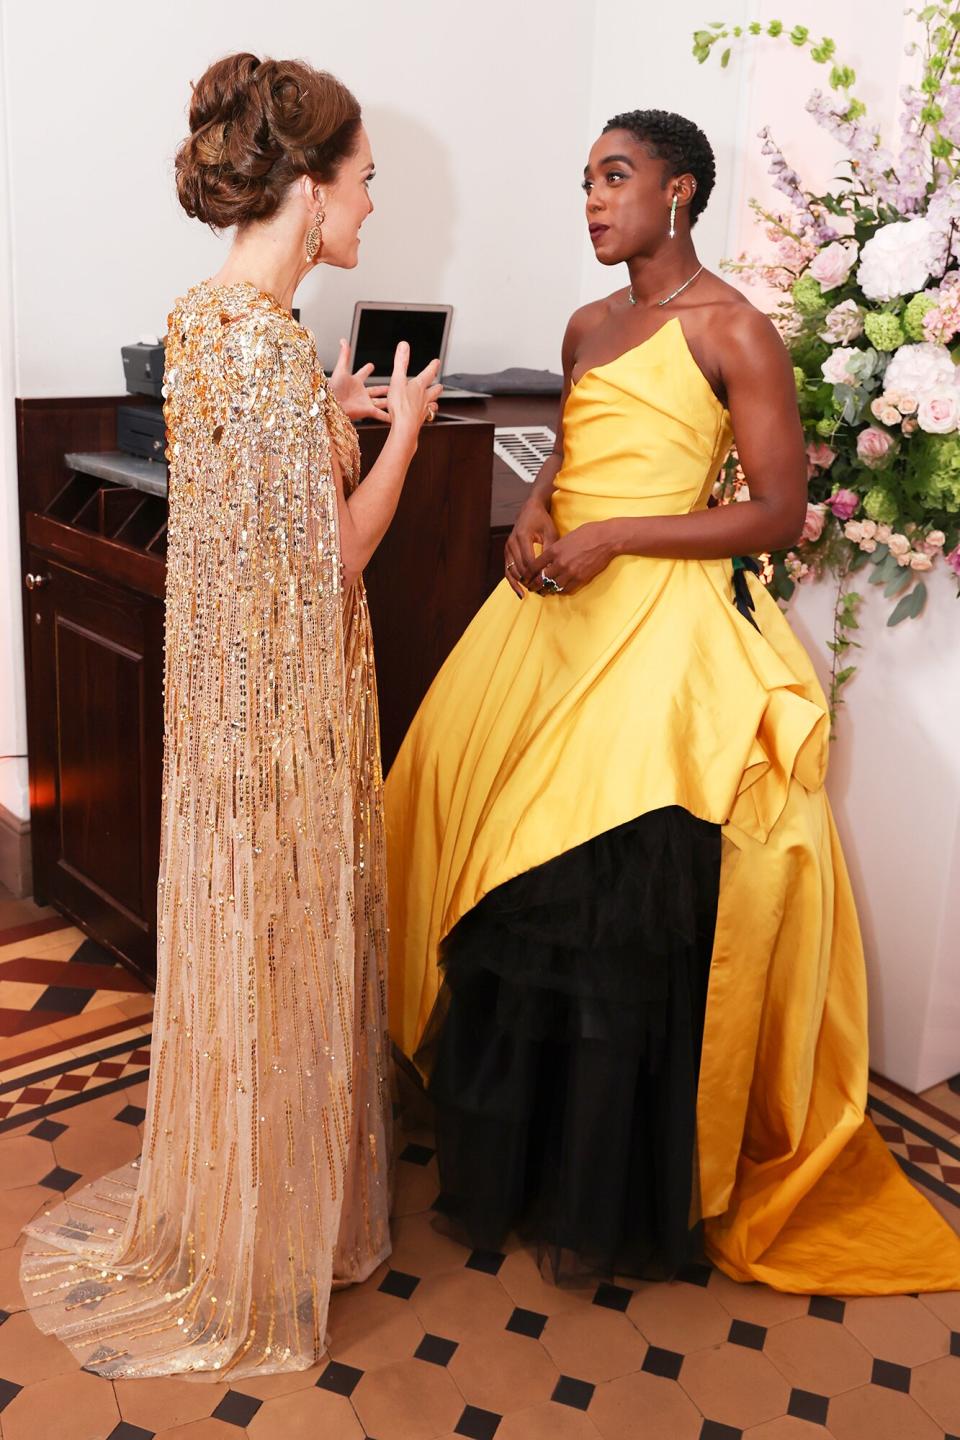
(735, 1386)
(594, 1342)
(677, 1316)
(668, 1413)
(818, 1355)
(503, 1372)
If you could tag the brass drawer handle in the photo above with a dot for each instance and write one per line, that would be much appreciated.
(36, 582)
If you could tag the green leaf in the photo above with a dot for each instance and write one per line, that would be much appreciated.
(725, 58)
(919, 598)
(886, 570)
(898, 582)
(844, 675)
(860, 559)
(903, 610)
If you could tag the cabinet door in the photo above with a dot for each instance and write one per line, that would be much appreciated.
(96, 735)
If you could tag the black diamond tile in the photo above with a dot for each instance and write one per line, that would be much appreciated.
(612, 1297)
(890, 1376)
(395, 1282)
(126, 1431)
(713, 1430)
(237, 1409)
(417, 1154)
(8, 1392)
(90, 953)
(662, 1362)
(341, 1379)
(489, 1261)
(435, 1349)
(67, 999)
(750, 1336)
(824, 1307)
(131, 1115)
(955, 1342)
(478, 1424)
(60, 1179)
(575, 1393)
(806, 1405)
(48, 1130)
(695, 1274)
(527, 1322)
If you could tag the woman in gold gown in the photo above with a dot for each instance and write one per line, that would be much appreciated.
(625, 954)
(264, 1173)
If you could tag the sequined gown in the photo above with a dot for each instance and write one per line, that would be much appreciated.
(264, 1173)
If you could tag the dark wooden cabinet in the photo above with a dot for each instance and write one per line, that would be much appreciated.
(95, 706)
(94, 571)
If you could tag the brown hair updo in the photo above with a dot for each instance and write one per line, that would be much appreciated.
(255, 125)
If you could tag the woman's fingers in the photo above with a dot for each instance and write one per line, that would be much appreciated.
(401, 360)
(511, 567)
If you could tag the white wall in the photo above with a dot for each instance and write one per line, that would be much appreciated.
(477, 119)
(13, 728)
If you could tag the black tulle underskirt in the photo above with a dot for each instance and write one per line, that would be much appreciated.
(564, 1051)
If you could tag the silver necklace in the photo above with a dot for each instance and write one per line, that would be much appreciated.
(673, 293)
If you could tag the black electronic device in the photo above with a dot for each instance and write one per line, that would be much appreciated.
(141, 431)
(143, 367)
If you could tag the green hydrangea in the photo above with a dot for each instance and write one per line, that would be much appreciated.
(799, 378)
(914, 313)
(880, 505)
(883, 331)
(827, 426)
(807, 295)
(933, 475)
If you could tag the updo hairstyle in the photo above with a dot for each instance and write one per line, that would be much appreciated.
(255, 125)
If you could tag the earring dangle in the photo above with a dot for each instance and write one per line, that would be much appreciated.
(315, 236)
(673, 217)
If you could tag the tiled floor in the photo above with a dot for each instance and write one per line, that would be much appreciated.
(443, 1343)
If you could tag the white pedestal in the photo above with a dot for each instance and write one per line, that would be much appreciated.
(894, 784)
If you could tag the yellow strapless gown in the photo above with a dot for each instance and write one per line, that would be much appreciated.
(558, 718)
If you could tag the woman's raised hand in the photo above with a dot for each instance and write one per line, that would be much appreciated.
(358, 400)
(412, 401)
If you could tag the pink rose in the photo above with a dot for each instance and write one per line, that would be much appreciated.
(939, 411)
(953, 560)
(853, 531)
(874, 447)
(813, 524)
(833, 264)
(820, 455)
(934, 541)
(844, 503)
(883, 534)
(899, 545)
(919, 561)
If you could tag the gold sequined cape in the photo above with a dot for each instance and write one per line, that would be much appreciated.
(264, 1172)
(560, 717)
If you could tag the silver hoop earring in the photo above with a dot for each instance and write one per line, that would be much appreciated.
(673, 217)
(315, 236)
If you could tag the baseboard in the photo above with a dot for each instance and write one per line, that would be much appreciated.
(16, 870)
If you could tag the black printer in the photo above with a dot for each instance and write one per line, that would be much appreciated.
(140, 428)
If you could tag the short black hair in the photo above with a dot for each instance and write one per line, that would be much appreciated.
(682, 146)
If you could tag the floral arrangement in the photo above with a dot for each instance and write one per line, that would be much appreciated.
(869, 277)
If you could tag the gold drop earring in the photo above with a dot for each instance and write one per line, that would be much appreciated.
(673, 216)
(315, 235)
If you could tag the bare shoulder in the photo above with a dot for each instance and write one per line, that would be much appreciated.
(734, 323)
(588, 317)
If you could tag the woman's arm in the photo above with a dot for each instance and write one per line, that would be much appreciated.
(366, 514)
(534, 525)
(761, 398)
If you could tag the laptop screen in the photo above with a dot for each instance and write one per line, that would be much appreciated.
(379, 332)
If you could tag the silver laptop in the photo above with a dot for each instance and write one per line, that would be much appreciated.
(378, 328)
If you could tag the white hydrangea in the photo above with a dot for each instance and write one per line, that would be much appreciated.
(919, 369)
(898, 259)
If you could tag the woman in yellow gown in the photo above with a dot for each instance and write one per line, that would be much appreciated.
(625, 954)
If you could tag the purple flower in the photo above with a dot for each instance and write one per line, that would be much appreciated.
(953, 560)
(844, 503)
